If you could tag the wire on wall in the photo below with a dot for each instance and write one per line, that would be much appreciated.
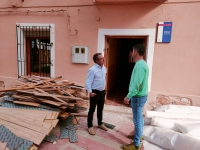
(45, 11)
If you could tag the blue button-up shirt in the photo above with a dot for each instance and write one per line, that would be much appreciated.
(96, 78)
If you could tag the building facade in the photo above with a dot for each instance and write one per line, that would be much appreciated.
(44, 38)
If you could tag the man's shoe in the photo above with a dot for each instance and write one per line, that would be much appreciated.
(91, 131)
(131, 136)
(103, 127)
(131, 147)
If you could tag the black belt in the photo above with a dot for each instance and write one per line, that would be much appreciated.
(97, 91)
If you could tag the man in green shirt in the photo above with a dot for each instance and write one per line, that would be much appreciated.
(137, 96)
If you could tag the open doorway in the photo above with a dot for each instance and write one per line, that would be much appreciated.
(119, 63)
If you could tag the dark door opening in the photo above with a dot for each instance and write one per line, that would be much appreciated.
(120, 64)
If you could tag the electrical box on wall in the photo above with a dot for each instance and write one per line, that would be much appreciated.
(80, 54)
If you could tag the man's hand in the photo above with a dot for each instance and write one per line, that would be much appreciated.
(126, 100)
(92, 94)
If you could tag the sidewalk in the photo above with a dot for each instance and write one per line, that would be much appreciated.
(113, 139)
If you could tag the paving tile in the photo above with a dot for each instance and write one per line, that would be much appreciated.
(112, 139)
(69, 148)
(116, 104)
(108, 102)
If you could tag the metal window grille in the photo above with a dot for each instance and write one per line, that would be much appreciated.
(33, 50)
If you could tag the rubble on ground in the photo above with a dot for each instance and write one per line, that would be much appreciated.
(32, 109)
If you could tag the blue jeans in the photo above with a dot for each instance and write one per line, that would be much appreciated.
(137, 104)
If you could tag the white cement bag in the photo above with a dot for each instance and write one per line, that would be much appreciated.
(169, 139)
(192, 129)
(150, 114)
(147, 121)
(193, 109)
(150, 146)
(170, 123)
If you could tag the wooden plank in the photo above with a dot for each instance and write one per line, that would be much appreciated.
(55, 122)
(64, 115)
(63, 107)
(56, 116)
(25, 116)
(82, 105)
(51, 95)
(48, 121)
(65, 92)
(2, 146)
(75, 120)
(78, 84)
(79, 114)
(61, 96)
(71, 91)
(27, 103)
(50, 102)
(23, 132)
(71, 105)
(22, 113)
(53, 79)
(33, 147)
(52, 115)
(33, 112)
(23, 88)
(44, 124)
(24, 123)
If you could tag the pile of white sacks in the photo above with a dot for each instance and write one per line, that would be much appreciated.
(173, 127)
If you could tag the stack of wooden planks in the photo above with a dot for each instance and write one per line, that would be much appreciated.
(32, 125)
(34, 91)
(62, 94)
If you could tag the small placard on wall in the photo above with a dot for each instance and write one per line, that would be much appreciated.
(164, 32)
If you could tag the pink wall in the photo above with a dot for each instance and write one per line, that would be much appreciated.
(175, 65)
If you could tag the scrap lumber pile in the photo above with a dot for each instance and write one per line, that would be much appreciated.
(32, 125)
(36, 91)
(42, 101)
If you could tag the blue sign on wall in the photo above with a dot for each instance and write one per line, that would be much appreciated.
(164, 32)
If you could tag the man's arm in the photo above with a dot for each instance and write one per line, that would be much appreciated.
(136, 81)
(88, 82)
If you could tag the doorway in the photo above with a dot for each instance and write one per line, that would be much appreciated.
(120, 65)
(149, 33)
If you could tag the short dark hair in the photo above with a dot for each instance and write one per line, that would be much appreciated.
(95, 57)
(140, 49)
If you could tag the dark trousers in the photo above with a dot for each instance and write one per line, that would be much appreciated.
(97, 100)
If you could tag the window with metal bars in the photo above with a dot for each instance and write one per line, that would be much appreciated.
(33, 50)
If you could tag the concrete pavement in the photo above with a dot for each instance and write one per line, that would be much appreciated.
(113, 139)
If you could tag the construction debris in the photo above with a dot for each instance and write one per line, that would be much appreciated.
(33, 108)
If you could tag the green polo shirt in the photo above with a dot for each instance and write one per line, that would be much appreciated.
(139, 80)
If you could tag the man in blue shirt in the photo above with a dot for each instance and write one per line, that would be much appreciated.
(95, 86)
